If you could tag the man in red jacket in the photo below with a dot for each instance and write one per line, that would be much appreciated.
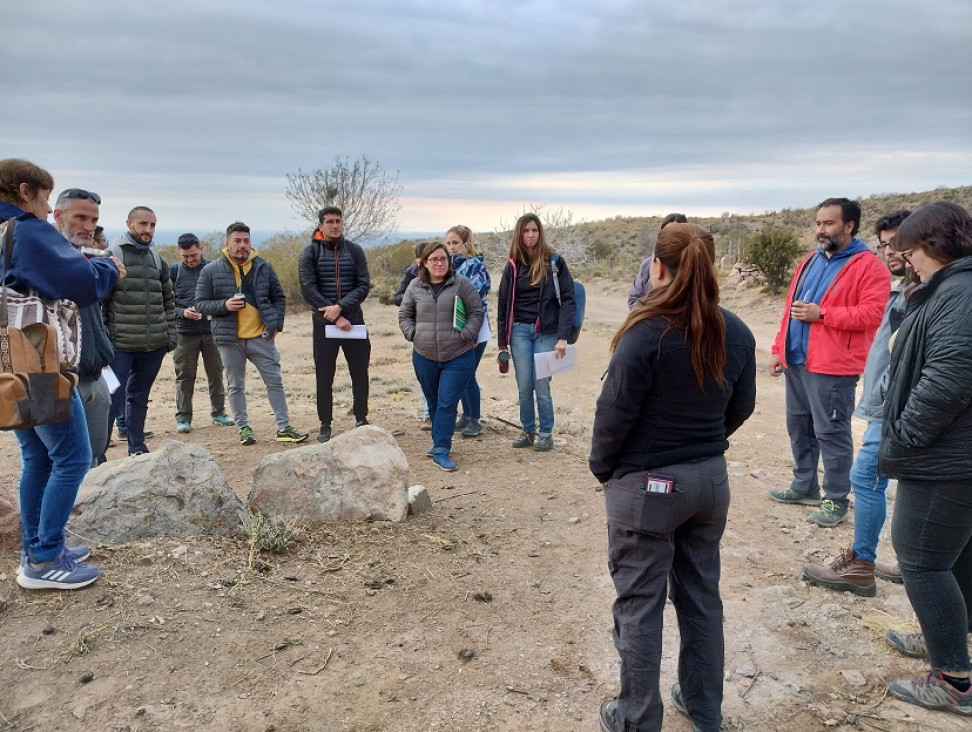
(833, 309)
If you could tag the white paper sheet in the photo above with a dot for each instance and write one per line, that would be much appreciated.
(357, 332)
(110, 379)
(547, 364)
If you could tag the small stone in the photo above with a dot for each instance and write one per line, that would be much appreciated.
(48, 630)
(466, 654)
(297, 610)
(573, 520)
(78, 712)
(853, 677)
(145, 600)
(86, 678)
(179, 551)
(261, 615)
(291, 577)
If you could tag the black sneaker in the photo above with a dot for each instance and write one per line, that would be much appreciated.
(361, 423)
(325, 434)
(289, 434)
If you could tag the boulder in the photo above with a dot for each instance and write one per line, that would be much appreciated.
(361, 474)
(177, 490)
(9, 521)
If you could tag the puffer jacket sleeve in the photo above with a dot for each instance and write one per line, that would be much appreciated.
(503, 306)
(168, 302)
(354, 297)
(278, 298)
(473, 304)
(568, 305)
(406, 311)
(307, 272)
(208, 300)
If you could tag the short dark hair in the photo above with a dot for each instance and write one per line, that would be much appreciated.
(329, 210)
(849, 211)
(942, 229)
(427, 249)
(673, 218)
(135, 210)
(99, 230)
(188, 241)
(237, 226)
(891, 221)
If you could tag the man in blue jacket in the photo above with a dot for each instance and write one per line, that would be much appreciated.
(194, 338)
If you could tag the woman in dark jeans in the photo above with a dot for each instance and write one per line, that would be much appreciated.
(925, 445)
(682, 378)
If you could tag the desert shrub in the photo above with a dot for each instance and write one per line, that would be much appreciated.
(773, 251)
(282, 251)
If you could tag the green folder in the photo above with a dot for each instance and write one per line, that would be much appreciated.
(459, 314)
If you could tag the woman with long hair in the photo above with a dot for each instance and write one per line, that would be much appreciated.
(441, 313)
(531, 320)
(682, 378)
(925, 442)
(54, 457)
(468, 262)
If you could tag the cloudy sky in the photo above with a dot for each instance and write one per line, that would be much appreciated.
(602, 107)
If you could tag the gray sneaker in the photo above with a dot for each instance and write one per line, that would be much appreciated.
(473, 428)
(933, 692)
(787, 496)
(462, 422)
(544, 443)
(908, 644)
(524, 440)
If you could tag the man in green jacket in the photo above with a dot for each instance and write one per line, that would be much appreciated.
(140, 315)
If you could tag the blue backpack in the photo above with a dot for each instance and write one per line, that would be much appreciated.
(580, 301)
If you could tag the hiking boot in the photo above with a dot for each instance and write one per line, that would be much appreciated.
(246, 436)
(462, 422)
(77, 553)
(325, 434)
(223, 420)
(608, 715)
(289, 434)
(524, 440)
(147, 434)
(888, 571)
(847, 573)
(426, 424)
(679, 704)
(442, 460)
(544, 443)
(933, 692)
(473, 429)
(908, 644)
(62, 573)
(183, 427)
(829, 514)
(788, 496)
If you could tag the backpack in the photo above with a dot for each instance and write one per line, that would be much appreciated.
(580, 301)
(33, 390)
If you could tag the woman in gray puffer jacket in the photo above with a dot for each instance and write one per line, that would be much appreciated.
(444, 342)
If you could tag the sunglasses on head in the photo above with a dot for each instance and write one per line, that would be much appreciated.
(80, 193)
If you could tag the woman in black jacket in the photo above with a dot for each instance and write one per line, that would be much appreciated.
(925, 444)
(531, 320)
(681, 380)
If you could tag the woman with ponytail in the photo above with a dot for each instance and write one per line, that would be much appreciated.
(682, 378)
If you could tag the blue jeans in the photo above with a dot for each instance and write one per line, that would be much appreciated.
(471, 397)
(55, 458)
(659, 539)
(136, 370)
(870, 495)
(932, 535)
(443, 384)
(524, 342)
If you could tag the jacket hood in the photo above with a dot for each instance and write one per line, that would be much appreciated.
(855, 247)
(10, 211)
(329, 243)
(129, 240)
(253, 254)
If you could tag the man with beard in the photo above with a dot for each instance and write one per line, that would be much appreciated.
(242, 294)
(854, 570)
(833, 309)
(75, 216)
(140, 314)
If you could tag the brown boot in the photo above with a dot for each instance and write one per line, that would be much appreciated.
(888, 571)
(846, 573)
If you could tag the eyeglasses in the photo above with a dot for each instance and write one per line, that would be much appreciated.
(80, 193)
(884, 244)
(437, 260)
(906, 255)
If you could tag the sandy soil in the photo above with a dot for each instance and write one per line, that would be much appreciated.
(493, 612)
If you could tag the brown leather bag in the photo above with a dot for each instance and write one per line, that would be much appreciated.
(33, 390)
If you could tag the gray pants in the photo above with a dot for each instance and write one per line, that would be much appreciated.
(818, 418)
(263, 354)
(96, 400)
(185, 358)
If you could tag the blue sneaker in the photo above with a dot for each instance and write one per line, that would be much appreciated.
(183, 427)
(223, 420)
(78, 554)
(62, 573)
(445, 462)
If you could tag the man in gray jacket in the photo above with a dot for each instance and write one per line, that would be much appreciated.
(242, 294)
(854, 570)
(140, 315)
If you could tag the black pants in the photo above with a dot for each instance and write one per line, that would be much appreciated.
(358, 355)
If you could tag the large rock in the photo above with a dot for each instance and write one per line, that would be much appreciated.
(177, 490)
(361, 474)
(9, 521)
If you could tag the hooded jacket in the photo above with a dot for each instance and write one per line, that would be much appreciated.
(140, 311)
(217, 284)
(928, 408)
(334, 272)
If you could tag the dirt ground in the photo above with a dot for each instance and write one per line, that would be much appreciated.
(493, 612)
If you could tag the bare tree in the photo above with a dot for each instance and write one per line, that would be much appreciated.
(361, 188)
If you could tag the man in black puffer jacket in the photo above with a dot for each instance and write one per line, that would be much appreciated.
(334, 280)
